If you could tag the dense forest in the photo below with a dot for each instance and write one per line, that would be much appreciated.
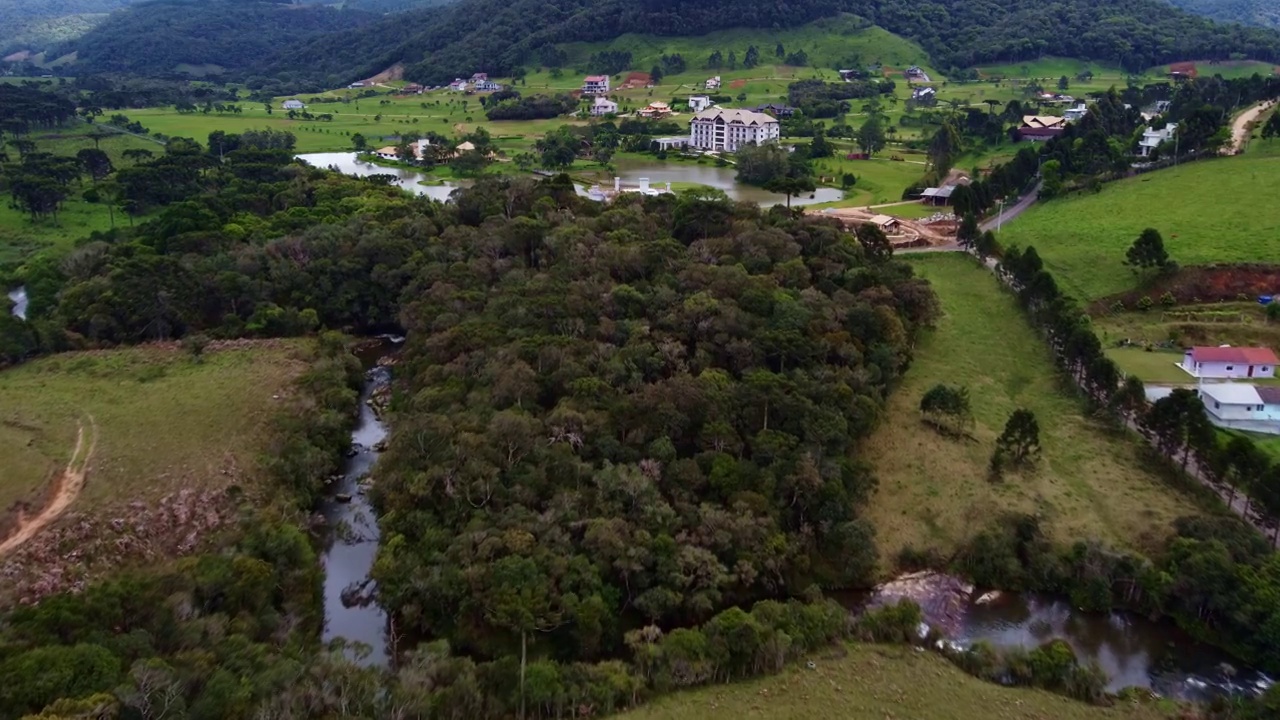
(154, 37)
(1248, 12)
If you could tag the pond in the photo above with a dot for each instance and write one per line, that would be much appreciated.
(660, 173)
(351, 164)
(19, 298)
(351, 536)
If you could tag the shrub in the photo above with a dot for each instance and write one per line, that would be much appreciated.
(1145, 303)
(1168, 300)
(1117, 306)
(898, 623)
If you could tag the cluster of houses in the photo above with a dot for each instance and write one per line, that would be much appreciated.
(478, 82)
(420, 150)
(1232, 404)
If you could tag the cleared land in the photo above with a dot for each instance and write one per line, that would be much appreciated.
(1210, 211)
(875, 682)
(934, 491)
(164, 422)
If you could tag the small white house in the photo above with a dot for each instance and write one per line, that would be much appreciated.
(293, 105)
(603, 106)
(1231, 401)
(1151, 138)
(1077, 113)
(712, 83)
(698, 103)
(1229, 362)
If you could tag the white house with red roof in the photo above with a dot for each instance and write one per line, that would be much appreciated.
(595, 85)
(1226, 361)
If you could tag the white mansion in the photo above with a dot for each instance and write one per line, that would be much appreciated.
(718, 128)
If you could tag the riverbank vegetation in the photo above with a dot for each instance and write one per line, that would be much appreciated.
(934, 490)
(872, 682)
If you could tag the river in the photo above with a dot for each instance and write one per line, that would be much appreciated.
(19, 298)
(351, 538)
(659, 173)
(1134, 651)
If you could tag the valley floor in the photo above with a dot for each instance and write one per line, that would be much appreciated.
(934, 491)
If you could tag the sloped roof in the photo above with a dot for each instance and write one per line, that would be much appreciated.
(1042, 121)
(596, 78)
(738, 115)
(1269, 394)
(1242, 355)
(1232, 393)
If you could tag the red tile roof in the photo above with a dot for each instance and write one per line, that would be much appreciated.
(597, 78)
(1242, 355)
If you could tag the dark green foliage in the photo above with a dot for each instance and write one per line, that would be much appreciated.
(532, 107)
(897, 623)
(685, 418)
(1248, 12)
(1019, 444)
(153, 38)
(1147, 252)
(1137, 34)
(947, 408)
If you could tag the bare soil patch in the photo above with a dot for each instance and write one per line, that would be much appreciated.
(1206, 283)
(63, 491)
(738, 84)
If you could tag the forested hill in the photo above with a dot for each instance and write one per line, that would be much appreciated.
(153, 38)
(498, 36)
(1137, 34)
(1250, 12)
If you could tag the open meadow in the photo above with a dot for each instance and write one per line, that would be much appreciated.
(1210, 211)
(163, 421)
(875, 682)
(1091, 483)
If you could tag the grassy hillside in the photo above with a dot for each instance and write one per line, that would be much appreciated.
(934, 491)
(1211, 211)
(163, 421)
(843, 41)
(875, 682)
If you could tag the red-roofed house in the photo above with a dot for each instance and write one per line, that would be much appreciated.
(595, 85)
(1230, 362)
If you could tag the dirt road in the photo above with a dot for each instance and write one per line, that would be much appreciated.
(1240, 127)
(67, 487)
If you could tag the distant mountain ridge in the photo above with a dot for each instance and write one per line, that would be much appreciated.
(498, 36)
(256, 43)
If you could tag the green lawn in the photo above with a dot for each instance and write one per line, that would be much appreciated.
(163, 421)
(1210, 211)
(934, 491)
(20, 238)
(1239, 323)
(880, 682)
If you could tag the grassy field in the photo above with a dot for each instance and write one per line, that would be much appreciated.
(1243, 324)
(163, 420)
(878, 682)
(1211, 211)
(934, 491)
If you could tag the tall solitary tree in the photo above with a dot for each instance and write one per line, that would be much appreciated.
(1019, 444)
(871, 137)
(1147, 252)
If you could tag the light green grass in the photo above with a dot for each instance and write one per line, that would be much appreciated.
(878, 682)
(163, 421)
(1228, 69)
(828, 42)
(20, 238)
(934, 491)
(1209, 211)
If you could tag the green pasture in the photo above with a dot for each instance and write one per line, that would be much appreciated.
(1209, 211)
